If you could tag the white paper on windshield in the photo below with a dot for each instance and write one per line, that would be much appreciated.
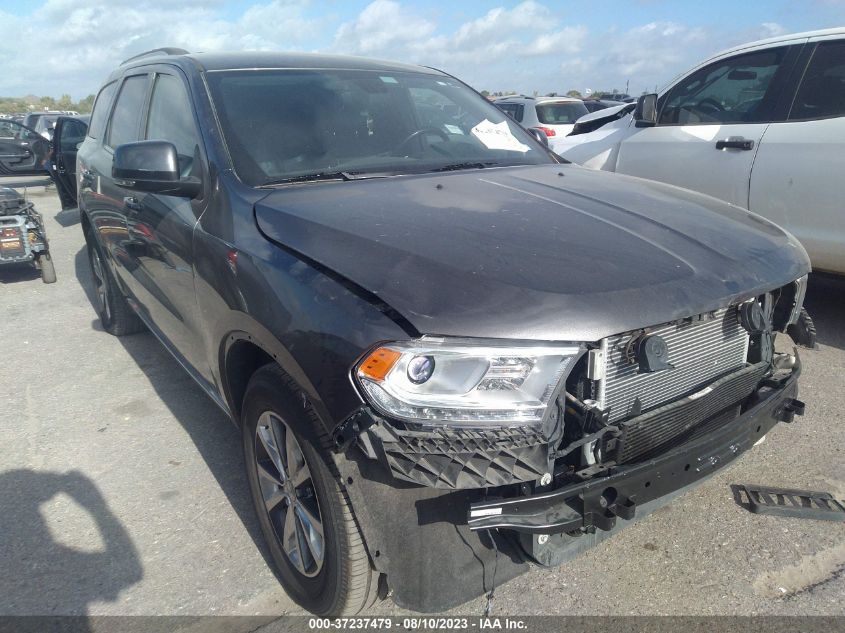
(497, 136)
(453, 129)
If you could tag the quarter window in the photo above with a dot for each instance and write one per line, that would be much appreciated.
(101, 110)
(734, 90)
(171, 119)
(513, 110)
(126, 118)
(822, 91)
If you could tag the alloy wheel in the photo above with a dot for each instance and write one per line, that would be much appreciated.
(100, 284)
(289, 496)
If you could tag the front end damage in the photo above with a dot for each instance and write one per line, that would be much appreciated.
(638, 418)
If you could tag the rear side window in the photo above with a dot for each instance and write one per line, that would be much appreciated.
(101, 110)
(822, 91)
(171, 119)
(513, 110)
(126, 117)
(732, 90)
(560, 113)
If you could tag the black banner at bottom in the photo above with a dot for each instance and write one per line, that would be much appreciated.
(410, 623)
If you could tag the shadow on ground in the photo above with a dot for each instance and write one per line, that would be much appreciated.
(40, 574)
(67, 217)
(212, 432)
(826, 304)
(13, 273)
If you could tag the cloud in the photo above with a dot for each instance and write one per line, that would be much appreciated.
(389, 28)
(70, 46)
(381, 27)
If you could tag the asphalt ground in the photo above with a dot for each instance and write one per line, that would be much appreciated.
(122, 489)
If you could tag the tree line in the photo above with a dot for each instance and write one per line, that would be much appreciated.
(30, 103)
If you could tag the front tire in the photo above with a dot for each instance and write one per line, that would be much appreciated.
(305, 515)
(116, 315)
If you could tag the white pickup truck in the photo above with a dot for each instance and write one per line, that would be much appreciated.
(761, 125)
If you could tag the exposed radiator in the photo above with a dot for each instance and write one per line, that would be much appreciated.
(700, 350)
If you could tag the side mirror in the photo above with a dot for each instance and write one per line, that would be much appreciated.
(540, 135)
(152, 166)
(645, 114)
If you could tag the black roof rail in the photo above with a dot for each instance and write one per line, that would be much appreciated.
(156, 51)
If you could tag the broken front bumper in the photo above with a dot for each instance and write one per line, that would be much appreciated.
(598, 502)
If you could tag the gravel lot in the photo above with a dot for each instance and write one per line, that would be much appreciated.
(121, 487)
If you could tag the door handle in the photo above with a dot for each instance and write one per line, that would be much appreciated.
(735, 142)
(132, 205)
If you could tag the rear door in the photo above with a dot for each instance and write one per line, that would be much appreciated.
(68, 135)
(23, 151)
(710, 125)
(795, 180)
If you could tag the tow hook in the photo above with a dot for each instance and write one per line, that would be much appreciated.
(789, 409)
(601, 512)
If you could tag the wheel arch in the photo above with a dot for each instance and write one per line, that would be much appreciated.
(242, 354)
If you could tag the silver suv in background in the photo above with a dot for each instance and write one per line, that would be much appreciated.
(555, 116)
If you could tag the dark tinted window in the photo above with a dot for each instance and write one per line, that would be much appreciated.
(73, 132)
(126, 117)
(171, 119)
(14, 130)
(560, 113)
(822, 91)
(733, 90)
(513, 110)
(101, 110)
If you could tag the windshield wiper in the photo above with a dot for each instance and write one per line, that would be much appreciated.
(459, 166)
(329, 175)
(333, 175)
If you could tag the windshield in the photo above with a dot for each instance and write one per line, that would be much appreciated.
(560, 113)
(286, 125)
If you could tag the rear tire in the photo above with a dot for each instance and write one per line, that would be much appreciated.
(48, 271)
(116, 316)
(330, 575)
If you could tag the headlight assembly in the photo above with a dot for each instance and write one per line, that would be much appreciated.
(435, 381)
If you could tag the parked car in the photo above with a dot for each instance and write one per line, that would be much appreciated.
(761, 125)
(440, 343)
(42, 122)
(593, 105)
(619, 97)
(554, 116)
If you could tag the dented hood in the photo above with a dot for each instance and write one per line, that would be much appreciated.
(551, 252)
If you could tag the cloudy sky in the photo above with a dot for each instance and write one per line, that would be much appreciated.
(69, 46)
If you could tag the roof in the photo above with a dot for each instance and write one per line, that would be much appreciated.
(786, 37)
(520, 98)
(557, 99)
(258, 60)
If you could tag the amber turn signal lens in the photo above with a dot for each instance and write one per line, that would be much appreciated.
(377, 364)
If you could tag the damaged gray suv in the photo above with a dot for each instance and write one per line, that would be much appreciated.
(440, 342)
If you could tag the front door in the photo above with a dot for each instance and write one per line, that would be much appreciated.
(162, 226)
(67, 136)
(710, 125)
(23, 151)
